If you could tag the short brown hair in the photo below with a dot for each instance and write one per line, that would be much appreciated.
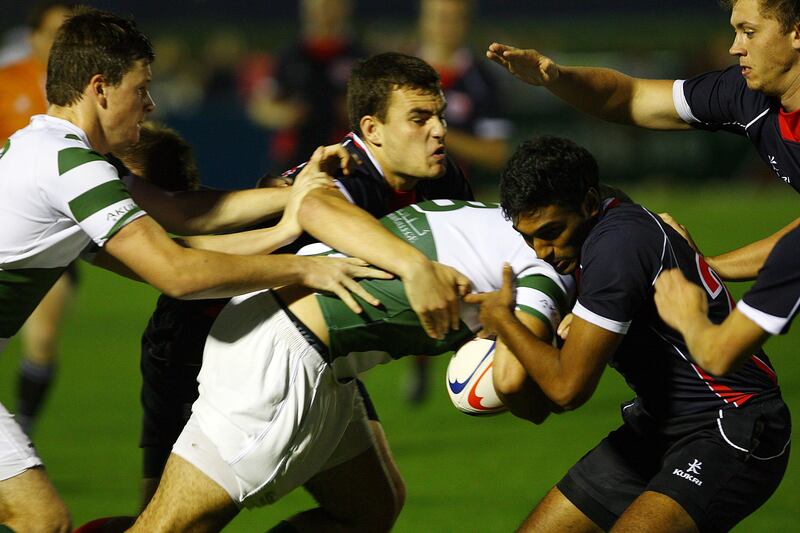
(162, 157)
(786, 12)
(93, 42)
(373, 80)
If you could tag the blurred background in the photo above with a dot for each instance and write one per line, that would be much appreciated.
(228, 77)
(255, 86)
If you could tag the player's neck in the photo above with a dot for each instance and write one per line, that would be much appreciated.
(790, 98)
(76, 115)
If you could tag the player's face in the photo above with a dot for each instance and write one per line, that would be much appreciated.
(768, 56)
(412, 137)
(556, 234)
(127, 106)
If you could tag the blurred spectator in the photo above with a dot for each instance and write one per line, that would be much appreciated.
(305, 97)
(177, 84)
(476, 132)
(21, 96)
(22, 82)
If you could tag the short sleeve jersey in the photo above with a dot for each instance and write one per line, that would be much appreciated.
(57, 196)
(620, 261)
(473, 238)
(721, 100)
(773, 301)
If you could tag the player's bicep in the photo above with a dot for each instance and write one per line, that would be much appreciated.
(652, 105)
(584, 355)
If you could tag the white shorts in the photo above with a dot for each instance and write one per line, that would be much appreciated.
(270, 414)
(16, 451)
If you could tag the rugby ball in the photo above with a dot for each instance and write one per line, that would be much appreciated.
(469, 379)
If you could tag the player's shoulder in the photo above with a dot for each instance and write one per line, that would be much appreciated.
(626, 226)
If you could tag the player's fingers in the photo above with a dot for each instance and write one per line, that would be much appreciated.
(475, 297)
(356, 288)
(368, 272)
(484, 334)
(508, 279)
(344, 295)
(563, 327)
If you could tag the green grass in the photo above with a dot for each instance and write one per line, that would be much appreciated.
(463, 473)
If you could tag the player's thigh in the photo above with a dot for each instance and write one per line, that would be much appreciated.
(29, 502)
(186, 500)
(555, 514)
(655, 513)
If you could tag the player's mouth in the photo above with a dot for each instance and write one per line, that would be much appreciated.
(745, 71)
(439, 153)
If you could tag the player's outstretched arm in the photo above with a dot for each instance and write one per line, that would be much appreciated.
(146, 250)
(744, 263)
(718, 349)
(210, 211)
(266, 240)
(568, 376)
(601, 92)
(433, 289)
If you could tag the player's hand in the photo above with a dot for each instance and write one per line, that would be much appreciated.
(307, 180)
(434, 291)
(335, 158)
(528, 65)
(497, 306)
(335, 275)
(681, 229)
(563, 326)
(678, 300)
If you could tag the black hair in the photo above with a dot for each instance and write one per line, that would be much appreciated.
(547, 171)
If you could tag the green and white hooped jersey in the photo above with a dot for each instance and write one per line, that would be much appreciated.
(56, 196)
(472, 237)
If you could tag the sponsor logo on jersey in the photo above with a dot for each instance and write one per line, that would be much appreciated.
(693, 468)
(119, 211)
(774, 164)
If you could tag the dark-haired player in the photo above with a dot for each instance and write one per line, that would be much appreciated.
(695, 452)
(758, 99)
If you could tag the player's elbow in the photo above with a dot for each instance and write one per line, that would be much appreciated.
(568, 398)
(508, 383)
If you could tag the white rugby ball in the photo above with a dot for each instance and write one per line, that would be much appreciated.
(469, 379)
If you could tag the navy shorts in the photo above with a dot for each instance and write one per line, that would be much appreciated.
(720, 469)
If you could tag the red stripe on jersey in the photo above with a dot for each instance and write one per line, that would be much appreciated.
(790, 125)
(765, 368)
(727, 394)
(712, 285)
(400, 199)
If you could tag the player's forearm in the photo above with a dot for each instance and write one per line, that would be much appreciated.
(490, 154)
(616, 97)
(744, 263)
(540, 360)
(518, 392)
(206, 211)
(260, 241)
(721, 349)
(331, 219)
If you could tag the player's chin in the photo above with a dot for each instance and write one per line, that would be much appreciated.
(565, 266)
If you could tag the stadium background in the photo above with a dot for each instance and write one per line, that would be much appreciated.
(463, 473)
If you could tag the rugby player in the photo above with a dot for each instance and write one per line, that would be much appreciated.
(768, 308)
(395, 108)
(758, 99)
(59, 194)
(286, 413)
(695, 452)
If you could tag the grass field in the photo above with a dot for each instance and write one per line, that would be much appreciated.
(463, 474)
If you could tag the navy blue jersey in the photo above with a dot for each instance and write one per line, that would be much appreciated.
(620, 261)
(773, 300)
(721, 100)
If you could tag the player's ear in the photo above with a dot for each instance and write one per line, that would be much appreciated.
(371, 129)
(591, 203)
(796, 36)
(97, 89)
